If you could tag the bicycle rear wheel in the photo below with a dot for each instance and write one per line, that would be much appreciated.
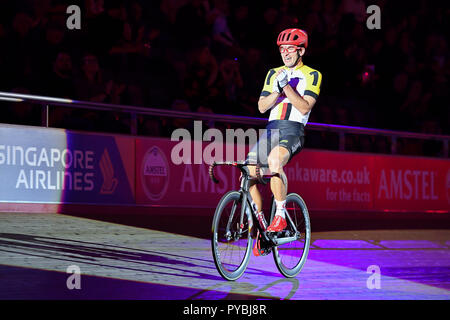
(291, 257)
(231, 240)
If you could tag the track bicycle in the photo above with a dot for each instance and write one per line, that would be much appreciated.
(235, 226)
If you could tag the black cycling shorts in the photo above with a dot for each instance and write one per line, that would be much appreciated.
(285, 133)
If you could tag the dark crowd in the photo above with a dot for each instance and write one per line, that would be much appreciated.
(212, 56)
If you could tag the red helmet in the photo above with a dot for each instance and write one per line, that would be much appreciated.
(296, 37)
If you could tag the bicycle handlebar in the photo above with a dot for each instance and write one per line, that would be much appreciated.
(211, 172)
(240, 166)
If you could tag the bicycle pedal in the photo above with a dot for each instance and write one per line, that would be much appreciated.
(285, 233)
(275, 234)
(264, 251)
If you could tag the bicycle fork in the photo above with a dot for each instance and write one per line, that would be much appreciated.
(240, 228)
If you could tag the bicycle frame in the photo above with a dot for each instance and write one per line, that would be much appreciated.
(244, 190)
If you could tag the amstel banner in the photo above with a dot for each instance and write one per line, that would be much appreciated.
(43, 165)
(326, 180)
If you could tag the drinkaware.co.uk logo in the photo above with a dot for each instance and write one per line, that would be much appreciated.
(155, 173)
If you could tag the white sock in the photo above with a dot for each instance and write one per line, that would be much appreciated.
(280, 208)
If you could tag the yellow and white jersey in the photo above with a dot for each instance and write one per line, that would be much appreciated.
(304, 80)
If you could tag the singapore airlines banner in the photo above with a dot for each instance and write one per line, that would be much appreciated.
(41, 165)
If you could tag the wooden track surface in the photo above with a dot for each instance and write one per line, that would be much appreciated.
(117, 261)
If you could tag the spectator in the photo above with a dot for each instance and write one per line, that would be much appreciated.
(104, 28)
(170, 8)
(59, 82)
(223, 41)
(92, 85)
(411, 107)
(230, 82)
(203, 71)
(210, 123)
(159, 79)
(191, 24)
(52, 39)
(356, 8)
(19, 46)
(4, 67)
(341, 116)
(175, 123)
(382, 145)
(124, 54)
(365, 143)
(136, 18)
(241, 25)
(330, 19)
(433, 148)
(252, 67)
(267, 25)
(150, 126)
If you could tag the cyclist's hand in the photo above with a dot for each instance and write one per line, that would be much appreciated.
(277, 88)
(282, 78)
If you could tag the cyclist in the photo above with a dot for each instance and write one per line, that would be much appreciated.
(289, 92)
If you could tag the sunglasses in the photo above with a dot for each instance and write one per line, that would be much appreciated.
(288, 49)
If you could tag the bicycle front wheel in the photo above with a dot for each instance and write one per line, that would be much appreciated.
(291, 257)
(231, 240)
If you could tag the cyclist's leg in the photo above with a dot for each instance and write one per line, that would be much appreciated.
(278, 158)
(288, 147)
(258, 154)
(254, 192)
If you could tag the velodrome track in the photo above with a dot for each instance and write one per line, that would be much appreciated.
(135, 258)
